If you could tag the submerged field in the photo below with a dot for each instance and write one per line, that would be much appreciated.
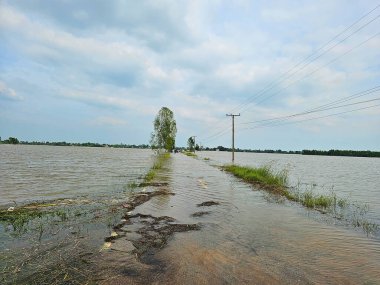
(178, 219)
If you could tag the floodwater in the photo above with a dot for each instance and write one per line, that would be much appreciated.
(30, 173)
(354, 178)
(247, 238)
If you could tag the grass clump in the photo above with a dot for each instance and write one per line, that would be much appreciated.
(189, 153)
(267, 178)
(308, 198)
(263, 176)
(157, 165)
(277, 183)
(19, 218)
(150, 175)
(312, 200)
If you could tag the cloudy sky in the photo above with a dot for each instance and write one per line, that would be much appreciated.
(99, 71)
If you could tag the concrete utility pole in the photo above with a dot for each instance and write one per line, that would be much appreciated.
(233, 134)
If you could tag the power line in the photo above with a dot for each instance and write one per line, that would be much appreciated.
(345, 99)
(319, 68)
(288, 77)
(341, 106)
(314, 118)
(323, 107)
(316, 55)
(279, 80)
(217, 135)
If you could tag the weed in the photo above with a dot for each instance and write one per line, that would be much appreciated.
(264, 176)
(132, 185)
(20, 218)
(157, 165)
(189, 153)
(277, 182)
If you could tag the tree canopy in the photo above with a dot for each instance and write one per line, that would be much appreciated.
(165, 130)
(10, 140)
(191, 143)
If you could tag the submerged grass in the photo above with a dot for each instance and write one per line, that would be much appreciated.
(263, 176)
(157, 165)
(277, 182)
(20, 218)
(267, 178)
(189, 153)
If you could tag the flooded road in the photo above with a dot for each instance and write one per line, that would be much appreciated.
(354, 178)
(244, 237)
(194, 225)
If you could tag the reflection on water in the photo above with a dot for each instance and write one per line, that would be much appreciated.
(50, 172)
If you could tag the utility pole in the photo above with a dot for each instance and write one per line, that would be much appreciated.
(233, 134)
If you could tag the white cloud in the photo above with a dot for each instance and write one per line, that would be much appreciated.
(201, 59)
(8, 93)
(108, 121)
(118, 100)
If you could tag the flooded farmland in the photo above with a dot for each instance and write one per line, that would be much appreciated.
(195, 225)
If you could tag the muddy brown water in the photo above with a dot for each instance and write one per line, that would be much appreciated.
(31, 172)
(243, 238)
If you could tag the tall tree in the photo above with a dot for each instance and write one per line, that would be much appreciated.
(165, 130)
(191, 143)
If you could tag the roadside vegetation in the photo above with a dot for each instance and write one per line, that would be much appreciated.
(277, 182)
(158, 164)
(262, 176)
(189, 153)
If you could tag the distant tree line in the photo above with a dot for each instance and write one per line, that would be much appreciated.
(222, 148)
(12, 140)
(332, 152)
(336, 152)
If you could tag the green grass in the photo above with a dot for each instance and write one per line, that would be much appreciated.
(21, 217)
(189, 153)
(150, 175)
(312, 200)
(277, 182)
(157, 165)
(263, 176)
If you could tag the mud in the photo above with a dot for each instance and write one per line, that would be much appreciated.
(132, 256)
(143, 197)
(153, 184)
(147, 232)
(199, 214)
(208, 203)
